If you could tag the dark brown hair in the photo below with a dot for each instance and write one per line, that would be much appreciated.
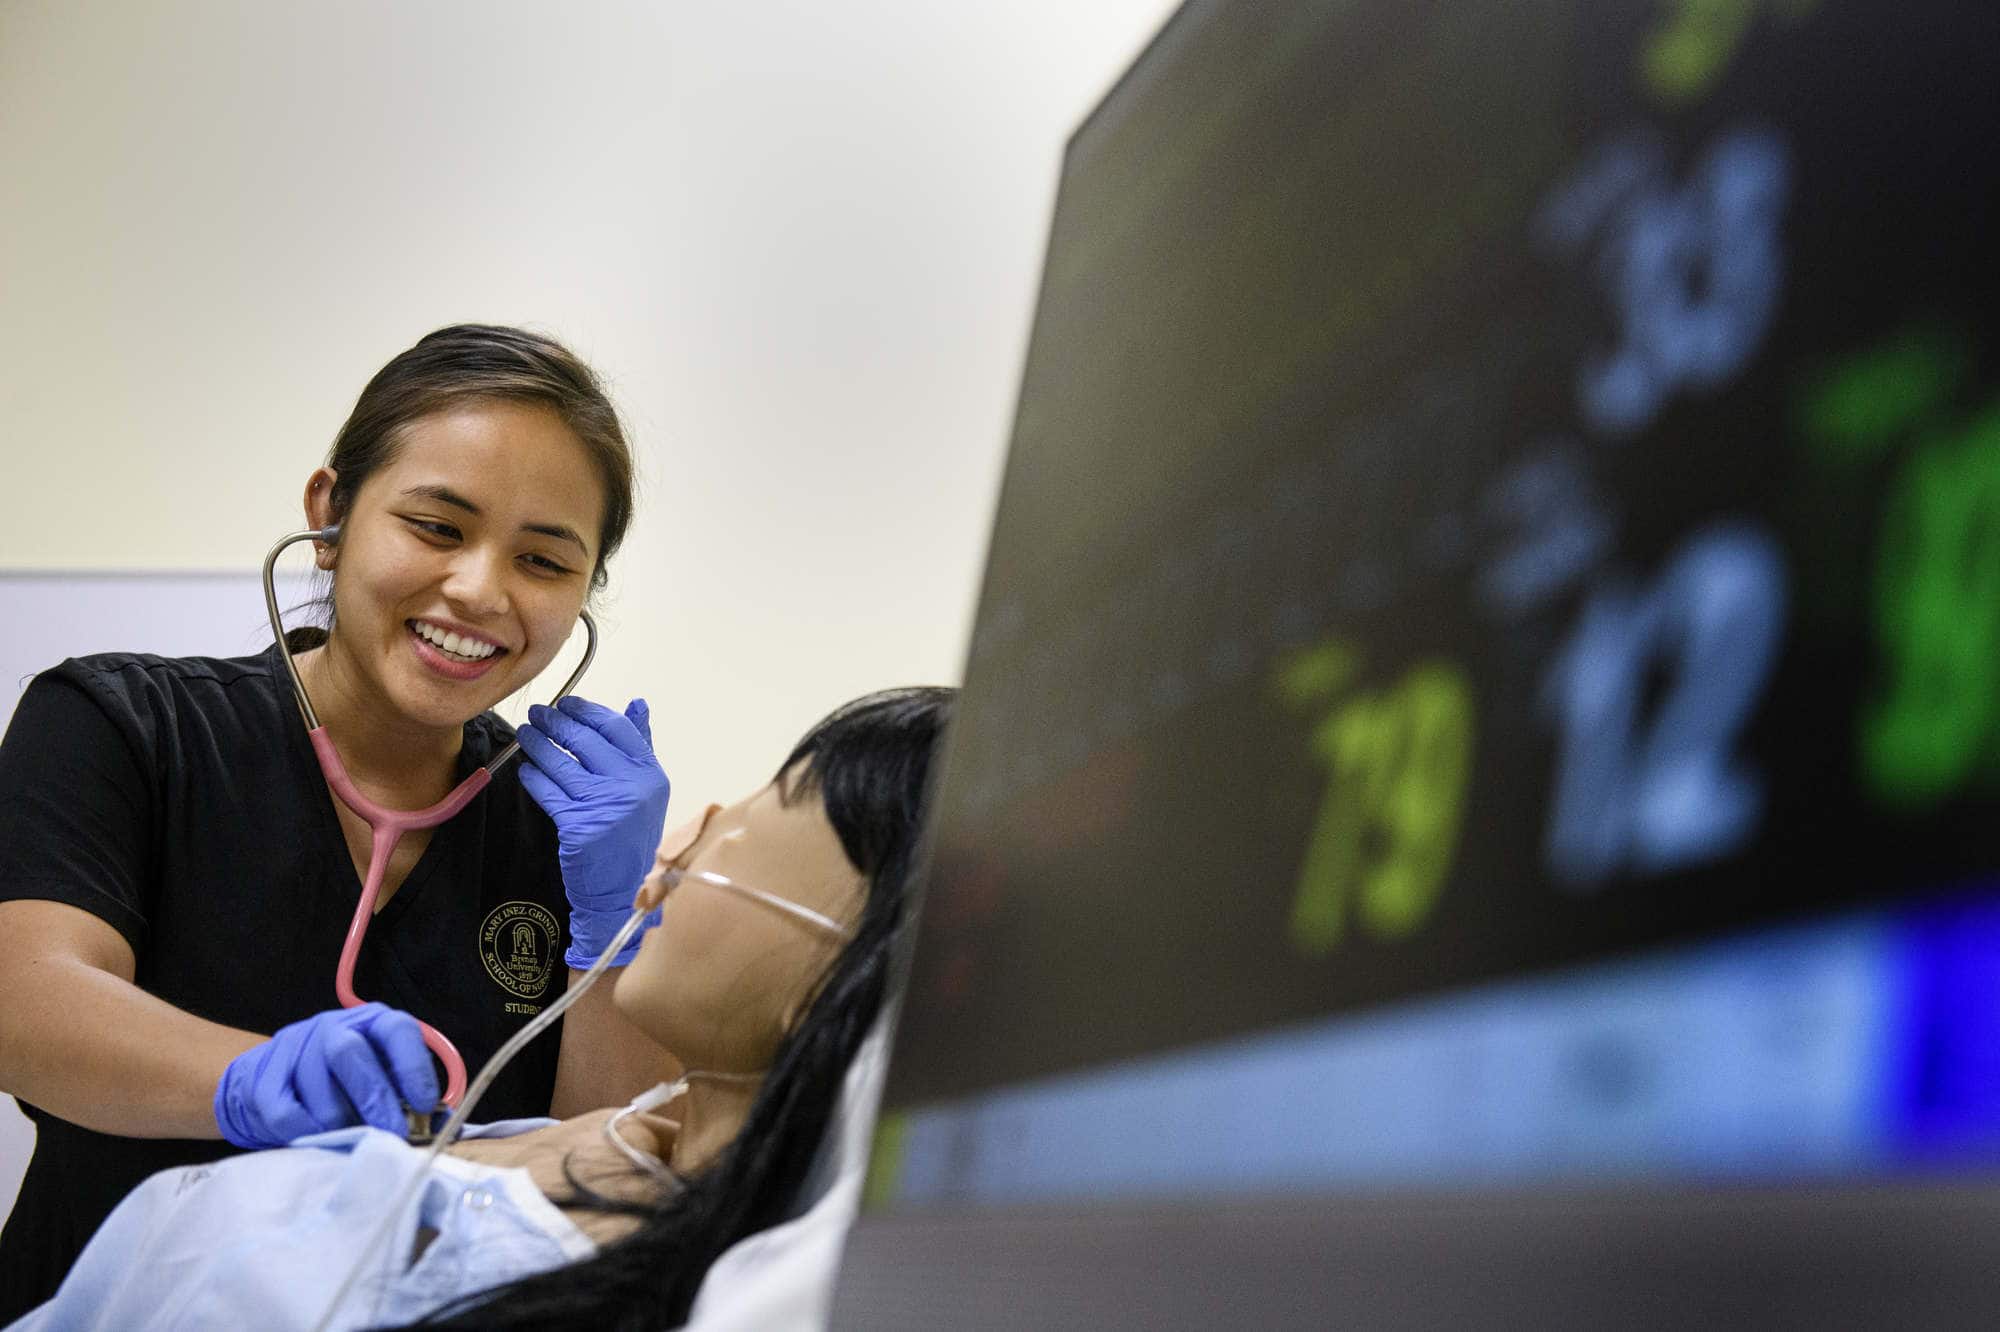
(471, 361)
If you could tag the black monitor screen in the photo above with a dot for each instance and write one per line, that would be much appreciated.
(1489, 666)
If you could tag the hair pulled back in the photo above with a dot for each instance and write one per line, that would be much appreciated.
(467, 362)
(472, 361)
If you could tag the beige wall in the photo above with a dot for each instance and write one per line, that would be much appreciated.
(800, 239)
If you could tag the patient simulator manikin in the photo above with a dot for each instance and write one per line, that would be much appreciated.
(758, 902)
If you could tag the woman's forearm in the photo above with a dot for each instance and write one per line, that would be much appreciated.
(604, 1059)
(84, 1043)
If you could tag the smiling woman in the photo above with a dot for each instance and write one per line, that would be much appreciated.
(461, 564)
(175, 878)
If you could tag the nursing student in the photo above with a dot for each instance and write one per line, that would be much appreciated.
(176, 878)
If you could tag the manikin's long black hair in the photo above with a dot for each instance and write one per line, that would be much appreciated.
(870, 762)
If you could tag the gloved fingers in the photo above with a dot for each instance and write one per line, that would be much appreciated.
(593, 751)
(278, 1120)
(629, 735)
(543, 791)
(641, 718)
(254, 1103)
(592, 932)
(564, 773)
(357, 1070)
(399, 1044)
(311, 1086)
(617, 727)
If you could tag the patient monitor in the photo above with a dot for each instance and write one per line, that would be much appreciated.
(1473, 800)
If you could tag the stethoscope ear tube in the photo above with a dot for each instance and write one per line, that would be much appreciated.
(325, 534)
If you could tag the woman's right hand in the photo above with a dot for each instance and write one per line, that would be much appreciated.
(333, 1069)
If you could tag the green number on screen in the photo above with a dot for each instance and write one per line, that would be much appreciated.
(1937, 615)
(1387, 830)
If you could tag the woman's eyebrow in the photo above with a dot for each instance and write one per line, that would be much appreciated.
(443, 495)
(559, 532)
(446, 495)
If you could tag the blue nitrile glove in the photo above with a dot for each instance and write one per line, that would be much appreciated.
(345, 1066)
(608, 797)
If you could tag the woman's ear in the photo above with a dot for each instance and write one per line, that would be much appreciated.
(320, 514)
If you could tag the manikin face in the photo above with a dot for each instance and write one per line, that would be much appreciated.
(485, 526)
(723, 977)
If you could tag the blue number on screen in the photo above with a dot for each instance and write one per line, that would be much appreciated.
(1669, 793)
(1693, 272)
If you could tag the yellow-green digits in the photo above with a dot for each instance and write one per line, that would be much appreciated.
(1398, 761)
(1696, 40)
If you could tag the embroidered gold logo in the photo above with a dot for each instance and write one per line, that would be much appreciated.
(518, 942)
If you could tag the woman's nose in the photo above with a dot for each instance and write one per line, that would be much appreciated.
(477, 582)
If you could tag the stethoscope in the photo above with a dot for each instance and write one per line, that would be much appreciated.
(387, 826)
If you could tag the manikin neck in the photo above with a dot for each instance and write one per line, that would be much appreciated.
(675, 1128)
(711, 1111)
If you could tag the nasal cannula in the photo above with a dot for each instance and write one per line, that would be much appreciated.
(387, 826)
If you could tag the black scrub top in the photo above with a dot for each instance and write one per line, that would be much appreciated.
(179, 800)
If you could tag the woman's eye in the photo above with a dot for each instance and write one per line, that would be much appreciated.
(442, 531)
(545, 564)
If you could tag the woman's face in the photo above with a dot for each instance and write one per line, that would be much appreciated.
(723, 977)
(463, 563)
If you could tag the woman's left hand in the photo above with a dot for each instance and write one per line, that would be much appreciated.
(608, 797)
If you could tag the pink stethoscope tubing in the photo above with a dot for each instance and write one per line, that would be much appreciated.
(387, 826)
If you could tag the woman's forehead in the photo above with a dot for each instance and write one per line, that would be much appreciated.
(499, 453)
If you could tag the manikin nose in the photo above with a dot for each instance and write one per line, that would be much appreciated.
(676, 843)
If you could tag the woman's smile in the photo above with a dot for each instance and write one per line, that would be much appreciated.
(456, 654)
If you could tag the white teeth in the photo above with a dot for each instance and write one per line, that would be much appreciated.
(471, 649)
